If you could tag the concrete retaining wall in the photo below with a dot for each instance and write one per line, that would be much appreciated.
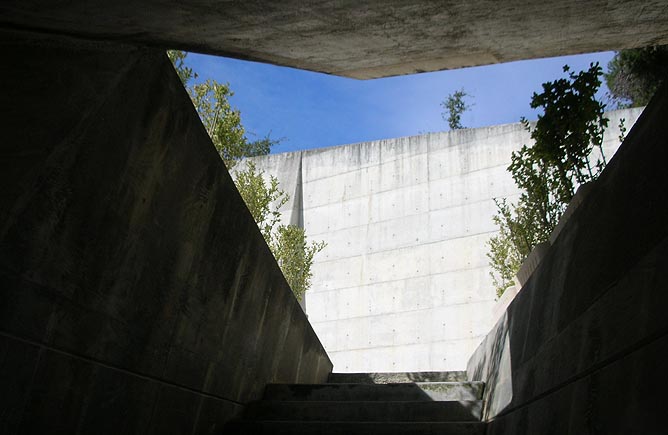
(404, 284)
(136, 292)
(582, 347)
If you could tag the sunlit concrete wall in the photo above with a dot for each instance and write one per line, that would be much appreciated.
(404, 284)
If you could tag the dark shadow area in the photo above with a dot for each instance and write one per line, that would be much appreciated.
(137, 294)
(436, 407)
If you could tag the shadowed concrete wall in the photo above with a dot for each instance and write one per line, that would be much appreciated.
(582, 348)
(136, 292)
(403, 284)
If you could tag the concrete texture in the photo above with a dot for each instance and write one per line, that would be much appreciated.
(403, 284)
(137, 296)
(136, 292)
(406, 407)
(417, 411)
(358, 39)
(414, 391)
(396, 377)
(356, 428)
(582, 347)
(531, 262)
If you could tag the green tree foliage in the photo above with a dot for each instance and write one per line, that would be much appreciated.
(508, 249)
(223, 124)
(178, 59)
(263, 200)
(548, 171)
(288, 243)
(295, 257)
(634, 75)
(221, 121)
(454, 106)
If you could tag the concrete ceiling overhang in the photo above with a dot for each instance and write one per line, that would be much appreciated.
(353, 38)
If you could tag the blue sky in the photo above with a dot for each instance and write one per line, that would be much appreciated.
(312, 110)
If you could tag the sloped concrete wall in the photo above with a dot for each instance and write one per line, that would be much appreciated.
(136, 292)
(582, 348)
(403, 284)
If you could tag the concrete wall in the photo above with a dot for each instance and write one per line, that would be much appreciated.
(136, 292)
(404, 284)
(582, 347)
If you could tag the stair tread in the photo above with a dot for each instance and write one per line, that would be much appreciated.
(428, 391)
(338, 427)
(376, 406)
(369, 402)
(336, 384)
(394, 377)
(435, 411)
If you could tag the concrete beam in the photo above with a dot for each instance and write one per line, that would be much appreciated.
(358, 39)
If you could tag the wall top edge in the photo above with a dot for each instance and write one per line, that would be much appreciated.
(457, 137)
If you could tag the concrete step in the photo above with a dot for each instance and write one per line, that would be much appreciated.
(352, 428)
(419, 391)
(394, 378)
(421, 411)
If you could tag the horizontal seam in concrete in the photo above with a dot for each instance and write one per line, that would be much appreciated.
(399, 279)
(591, 370)
(423, 212)
(408, 344)
(403, 248)
(403, 157)
(428, 181)
(118, 369)
(409, 246)
(391, 313)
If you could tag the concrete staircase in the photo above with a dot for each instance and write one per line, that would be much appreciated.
(443, 403)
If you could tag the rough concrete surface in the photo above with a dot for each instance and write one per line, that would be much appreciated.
(582, 347)
(397, 377)
(403, 284)
(136, 292)
(408, 407)
(356, 428)
(415, 391)
(358, 39)
(416, 411)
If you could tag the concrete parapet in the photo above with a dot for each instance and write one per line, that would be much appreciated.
(531, 262)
